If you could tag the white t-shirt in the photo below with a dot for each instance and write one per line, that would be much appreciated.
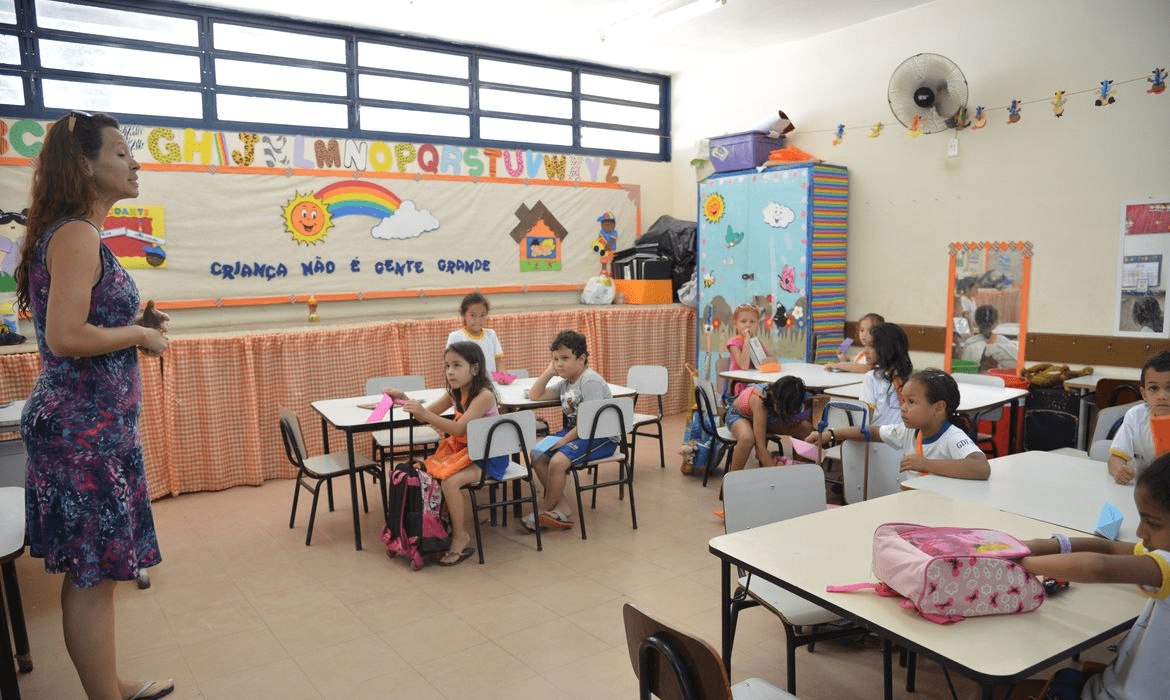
(1003, 351)
(1140, 671)
(1134, 441)
(950, 443)
(882, 398)
(487, 341)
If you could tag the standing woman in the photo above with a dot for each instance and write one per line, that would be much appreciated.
(86, 499)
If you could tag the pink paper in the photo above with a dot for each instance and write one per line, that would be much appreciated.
(383, 408)
(805, 449)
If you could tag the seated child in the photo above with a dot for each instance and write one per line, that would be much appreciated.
(1133, 446)
(474, 311)
(1140, 669)
(864, 359)
(471, 393)
(928, 436)
(990, 349)
(881, 387)
(746, 319)
(570, 362)
(760, 409)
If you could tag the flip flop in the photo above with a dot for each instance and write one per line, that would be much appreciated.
(154, 689)
(556, 521)
(467, 552)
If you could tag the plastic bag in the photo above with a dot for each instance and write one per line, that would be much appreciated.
(689, 293)
(598, 290)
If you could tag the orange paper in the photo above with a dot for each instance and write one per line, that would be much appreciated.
(770, 367)
(1160, 427)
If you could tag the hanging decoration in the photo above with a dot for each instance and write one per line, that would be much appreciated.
(1058, 102)
(1157, 81)
(980, 118)
(915, 129)
(1106, 93)
(1105, 96)
(1014, 112)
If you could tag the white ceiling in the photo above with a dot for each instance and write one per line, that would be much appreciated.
(573, 28)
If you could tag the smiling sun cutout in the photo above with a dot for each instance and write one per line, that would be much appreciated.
(306, 219)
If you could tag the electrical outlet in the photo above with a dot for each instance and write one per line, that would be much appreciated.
(953, 147)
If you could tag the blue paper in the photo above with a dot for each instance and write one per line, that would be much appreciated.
(544, 445)
(1109, 522)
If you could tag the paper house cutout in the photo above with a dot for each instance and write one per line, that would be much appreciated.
(539, 235)
(1109, 522)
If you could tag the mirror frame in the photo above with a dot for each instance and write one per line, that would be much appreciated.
(1025, 248)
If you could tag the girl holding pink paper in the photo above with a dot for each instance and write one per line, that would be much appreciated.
(471, 393)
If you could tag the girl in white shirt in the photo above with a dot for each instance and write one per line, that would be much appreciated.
(1140, 671)
(928, 435)
(474, 311)
(882, 386)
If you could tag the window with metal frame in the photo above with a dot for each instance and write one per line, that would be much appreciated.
(178, 65)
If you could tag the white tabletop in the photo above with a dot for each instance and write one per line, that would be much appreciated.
(972, 397)
(834, 547)
(349, 412)
(11, 521)
(10, 416)
(1056, 488)
(814, 376)
(1089, 381)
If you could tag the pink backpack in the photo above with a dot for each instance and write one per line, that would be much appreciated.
(949, 573)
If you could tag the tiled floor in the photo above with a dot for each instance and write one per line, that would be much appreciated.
(240, 608)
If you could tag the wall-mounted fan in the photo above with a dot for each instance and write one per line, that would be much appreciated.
(930, 88)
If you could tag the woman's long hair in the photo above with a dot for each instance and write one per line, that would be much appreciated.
(61, 187)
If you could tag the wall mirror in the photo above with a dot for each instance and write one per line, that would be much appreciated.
(987, 305)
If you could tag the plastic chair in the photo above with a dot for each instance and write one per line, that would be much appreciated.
(321, 469)
(673, 665)
(648, 380)
(1099, 451)
(879, 479)
(984, 441)
(755, 497)
(598, 420)
(498, 436)
(1108, 423)
(388, 442)
(712, 424)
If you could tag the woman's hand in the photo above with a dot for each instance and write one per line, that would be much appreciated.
(154, 342)
(153, 318)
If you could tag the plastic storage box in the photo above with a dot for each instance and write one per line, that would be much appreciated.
(742, 151)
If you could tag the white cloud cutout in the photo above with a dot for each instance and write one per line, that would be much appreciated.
(777, 215)
(408, 222)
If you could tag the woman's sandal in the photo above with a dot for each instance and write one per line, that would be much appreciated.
(154, 689)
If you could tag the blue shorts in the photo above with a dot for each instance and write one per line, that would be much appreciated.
(575, 450)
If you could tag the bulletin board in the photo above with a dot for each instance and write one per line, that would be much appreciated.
(1141, 273)
(252, 218)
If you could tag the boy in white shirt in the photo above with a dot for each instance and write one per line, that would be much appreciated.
(1133, 446)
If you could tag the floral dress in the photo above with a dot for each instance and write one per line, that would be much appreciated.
(86, 501)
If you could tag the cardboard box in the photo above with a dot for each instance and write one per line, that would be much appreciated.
(644, 291)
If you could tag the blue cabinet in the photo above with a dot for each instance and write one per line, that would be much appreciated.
(776, 238)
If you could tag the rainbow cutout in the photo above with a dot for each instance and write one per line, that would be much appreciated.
(351, 197)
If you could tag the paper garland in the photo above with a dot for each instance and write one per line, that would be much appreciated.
(1105, 94)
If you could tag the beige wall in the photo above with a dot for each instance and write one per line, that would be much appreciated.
(1056, 182)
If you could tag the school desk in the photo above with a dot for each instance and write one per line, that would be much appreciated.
(12, 456)
(1084, 387)
(815, 377)
(834, 547)
(973, 399)
(12, 535)
(1057, 488)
